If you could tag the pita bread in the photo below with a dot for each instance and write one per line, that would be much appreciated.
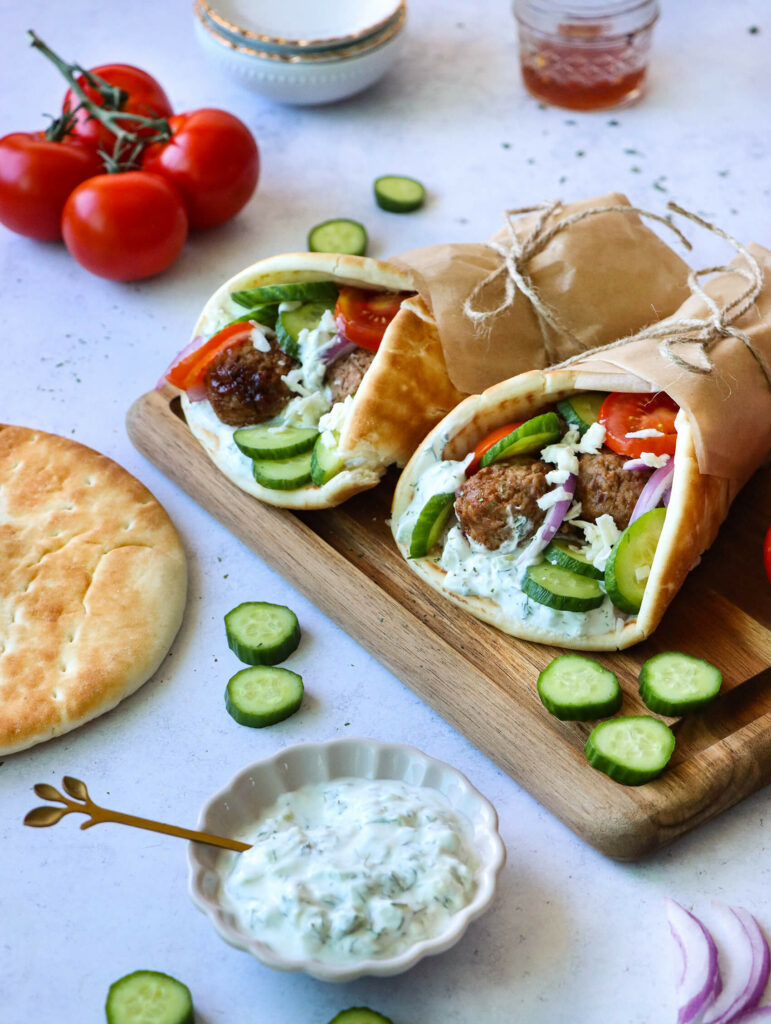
(92, 585)
(405, 391)
(697, 506)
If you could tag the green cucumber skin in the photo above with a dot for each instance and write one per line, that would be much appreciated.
(285, 340)
(262, 451)
(571, 408)
(628, 598)
(539, 590)
(116, 1015)
(383, 188)
(556, 554)
(297, 291)
(261, 653)
(619, 772)
(580, 710)
(674, 708)
(326, 237)
(429, 524)
(529, 437)
(262, 719)
(323, 469)
(261, 470)
(265, 315)
(360, 1015)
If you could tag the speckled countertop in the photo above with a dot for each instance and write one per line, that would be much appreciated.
(572, 936)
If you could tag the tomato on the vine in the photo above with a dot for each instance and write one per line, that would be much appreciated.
(125, 226)
(212, 159)
(145, 96)
(362, 316)
(36, 177)
(622, 414)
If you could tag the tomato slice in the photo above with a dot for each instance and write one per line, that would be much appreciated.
(486, 444)
(362, 316)
(623, 414)
(189, 369)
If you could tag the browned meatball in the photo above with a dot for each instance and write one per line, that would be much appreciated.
(345, 374)
(244, 385)
(605, 488)
(488, 499)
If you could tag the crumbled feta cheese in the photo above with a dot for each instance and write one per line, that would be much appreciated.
(600, 539)
(648, 432)
(574, 511)
(562, 453)
(259, 340)
(642, 572)
(593, 439)
(551, 498)
(557, 476)
(654, 461)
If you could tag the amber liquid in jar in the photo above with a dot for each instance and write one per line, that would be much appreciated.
(582, 62)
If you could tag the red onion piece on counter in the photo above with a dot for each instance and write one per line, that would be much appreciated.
(746, 948)
(699, 984)
(340, 347)
(552, 522)
(657, 483)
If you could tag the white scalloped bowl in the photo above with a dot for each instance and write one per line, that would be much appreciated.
(254, 789)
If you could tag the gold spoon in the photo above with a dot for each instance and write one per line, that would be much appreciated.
(40, 817)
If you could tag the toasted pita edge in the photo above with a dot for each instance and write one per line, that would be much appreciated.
(697, 506)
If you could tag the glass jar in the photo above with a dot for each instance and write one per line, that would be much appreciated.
(585, 54)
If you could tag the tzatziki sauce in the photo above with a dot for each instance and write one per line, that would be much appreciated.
(353, 869)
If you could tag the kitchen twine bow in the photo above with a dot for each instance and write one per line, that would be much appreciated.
(702, 333)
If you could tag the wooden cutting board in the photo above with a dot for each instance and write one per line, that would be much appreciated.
(483, 682)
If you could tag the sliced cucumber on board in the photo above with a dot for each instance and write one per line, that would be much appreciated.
(631, 749)
(575, 688)
(672, 683)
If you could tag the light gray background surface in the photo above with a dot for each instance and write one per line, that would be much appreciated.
(572, 936)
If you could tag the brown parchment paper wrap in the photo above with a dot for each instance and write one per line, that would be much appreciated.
(723, 435)
(605, 277)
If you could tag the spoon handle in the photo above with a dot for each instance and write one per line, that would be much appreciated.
(82, 803)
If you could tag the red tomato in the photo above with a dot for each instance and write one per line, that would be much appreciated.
(767, 554)
(145, 96)
(486, 444)
(125, 226)
(623, 414)
(189, 370)
(36, 176)
(213, 160)
(362, 316)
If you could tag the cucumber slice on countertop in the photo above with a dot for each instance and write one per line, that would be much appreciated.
(562, 552)
(296, 291)
(360, 1015)
(575, 689)
(632, 749)
(283, 474)
(272, 442)
(582, 409)
(261, 633)
(672, 683)
(398, 194)
(561, 589)
(632, 553)
(325, 462)
(292, 321)
(149, 997)
(263, 695)
(340, 236)
(528, 437)
(430, 523)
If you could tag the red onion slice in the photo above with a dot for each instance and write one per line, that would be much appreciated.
(657, 483)
(552, 522)
(632, 464)
(746, 949)
(761, 1015)
(699, 984)
(340, 347)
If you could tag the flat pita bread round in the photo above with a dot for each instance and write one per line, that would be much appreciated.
(92, 585)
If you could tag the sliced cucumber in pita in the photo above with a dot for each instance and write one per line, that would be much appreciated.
(527, 438)
(270, 442)
(626, 573)
(430, 524)
(283, 474)
(298, 291)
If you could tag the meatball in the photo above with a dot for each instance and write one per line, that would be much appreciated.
(244, 385)
(345, 374)
(488, 500)
(603, 487)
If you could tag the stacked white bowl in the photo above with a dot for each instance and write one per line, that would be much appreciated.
(302, 51)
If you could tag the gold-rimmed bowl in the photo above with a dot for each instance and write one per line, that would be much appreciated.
(300, 26)
(309, 77)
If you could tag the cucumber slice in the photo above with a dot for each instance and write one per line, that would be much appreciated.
(265, 442)
(398, 194)
(562, 589)
(672, 683)
(149, 997)
(283, 474)
(260, 633)
(529, 437)
(263, 695)
(575, 689)
(297, 291)
(340, 235)
(582, 410)
(632, 749)
(265, 315)
(562, 552)
(633, 550)
(325, 462)
(292, 321)
(429, 524)
(360, 1015)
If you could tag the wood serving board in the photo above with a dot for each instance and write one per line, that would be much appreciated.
(483, 681)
